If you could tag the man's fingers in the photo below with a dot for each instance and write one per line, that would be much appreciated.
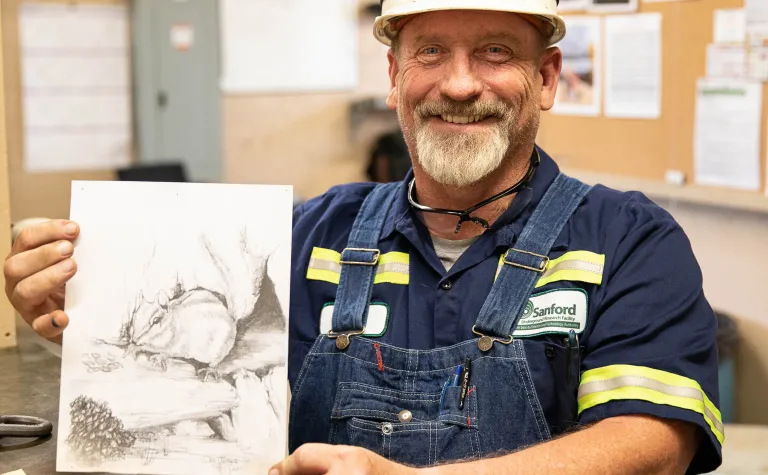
(51, 325)
(35, 236)
(34, 289)
(309, 459)
(23, 265)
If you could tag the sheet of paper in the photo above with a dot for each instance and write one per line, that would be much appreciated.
(580, 87)
(275, 46)
(757, 21)
(633, 66)
(730, 26)
(727, 133)
(613, 6)
(175, 357)
(726, 61)
(757, 62)
(573, 5)
(75, 62)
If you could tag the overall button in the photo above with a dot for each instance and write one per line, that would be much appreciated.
(386, 428)
(447, 285)
(405, 416)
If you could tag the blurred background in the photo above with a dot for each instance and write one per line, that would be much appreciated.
(661, 96)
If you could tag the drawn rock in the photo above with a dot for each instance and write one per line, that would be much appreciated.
(255, 419)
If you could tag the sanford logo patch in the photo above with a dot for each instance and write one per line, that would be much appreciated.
(556, 311)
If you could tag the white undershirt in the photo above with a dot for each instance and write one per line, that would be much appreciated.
(449, 250)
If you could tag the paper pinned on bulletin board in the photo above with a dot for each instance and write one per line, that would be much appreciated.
(726, 61)
(757, 21)
(580, 86)
(273, 46)
(727, 133)
(573, 5)
(757, 38)
(76, 90)
(730, 26)
(613, 6)
(633, 66)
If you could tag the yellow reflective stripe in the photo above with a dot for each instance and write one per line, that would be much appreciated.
(391, 257)
(324, 264)
(324, 275)
(623, 382)
(326, 254)
(581, 266)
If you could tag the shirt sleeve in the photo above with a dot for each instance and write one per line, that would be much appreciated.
(653, 347)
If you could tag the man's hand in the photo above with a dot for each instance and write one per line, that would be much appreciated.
(320, 459)
(36, 270)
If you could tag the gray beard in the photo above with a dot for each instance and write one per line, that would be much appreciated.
(461, 159)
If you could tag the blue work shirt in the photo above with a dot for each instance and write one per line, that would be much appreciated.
(649, 339)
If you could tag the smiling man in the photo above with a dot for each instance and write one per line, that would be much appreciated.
(488, 314)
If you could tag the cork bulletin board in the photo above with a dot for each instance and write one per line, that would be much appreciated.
(647, 148)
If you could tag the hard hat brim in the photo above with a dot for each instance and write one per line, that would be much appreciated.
(384, 33)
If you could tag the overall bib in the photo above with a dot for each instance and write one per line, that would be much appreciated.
(402, 403)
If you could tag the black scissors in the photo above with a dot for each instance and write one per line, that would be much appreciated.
(24, 426)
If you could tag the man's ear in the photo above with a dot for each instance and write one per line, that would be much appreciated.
(551, 65)
(393, 70)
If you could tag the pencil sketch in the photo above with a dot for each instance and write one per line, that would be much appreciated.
(188, 374)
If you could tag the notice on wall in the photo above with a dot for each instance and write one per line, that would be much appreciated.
(730, 26)
(727, 133)
(579, 90)
(757, 62)
(726, 61)
(76, 91)
(289, 46)
(633, 66)
(613, 6)
(757, 21)
(182, 36)
(573, 5)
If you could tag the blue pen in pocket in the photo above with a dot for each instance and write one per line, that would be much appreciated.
(457, 376)
(442, 396)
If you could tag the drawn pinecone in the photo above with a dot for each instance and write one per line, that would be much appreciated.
(95, 434)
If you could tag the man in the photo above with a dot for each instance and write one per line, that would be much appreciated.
(487, 314)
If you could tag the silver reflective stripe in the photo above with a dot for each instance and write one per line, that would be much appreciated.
(648, 383)
(585, 266)
(321, 264)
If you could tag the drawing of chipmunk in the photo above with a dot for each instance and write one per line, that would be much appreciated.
(189, 324)
(200, 325)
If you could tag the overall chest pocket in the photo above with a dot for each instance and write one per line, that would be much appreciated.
(414, 428)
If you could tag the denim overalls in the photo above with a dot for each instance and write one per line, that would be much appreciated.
(403, 404)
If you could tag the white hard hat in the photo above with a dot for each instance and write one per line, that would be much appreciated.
(545, 10)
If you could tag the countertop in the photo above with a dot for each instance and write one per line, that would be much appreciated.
(29, 385)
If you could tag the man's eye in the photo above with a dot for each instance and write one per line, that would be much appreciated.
(431, 50)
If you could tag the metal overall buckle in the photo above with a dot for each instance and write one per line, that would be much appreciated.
(542, 266)
(376, 254)
(485, 342)
(342, 338)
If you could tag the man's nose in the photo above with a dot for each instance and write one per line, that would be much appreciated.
(460, 82)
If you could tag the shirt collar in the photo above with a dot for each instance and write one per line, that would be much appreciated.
(401, 213)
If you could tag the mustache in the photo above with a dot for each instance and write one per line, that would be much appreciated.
(464, 109)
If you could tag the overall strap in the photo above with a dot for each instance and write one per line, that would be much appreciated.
(524, 263)
(359, 260)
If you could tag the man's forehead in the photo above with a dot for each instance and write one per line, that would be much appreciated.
(476, 23)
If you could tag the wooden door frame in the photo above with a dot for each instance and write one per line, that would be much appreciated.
(7, 314)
